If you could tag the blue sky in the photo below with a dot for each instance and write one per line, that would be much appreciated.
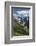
(20, 11)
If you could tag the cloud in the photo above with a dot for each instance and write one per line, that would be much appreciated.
(14, 14)
(23, 12)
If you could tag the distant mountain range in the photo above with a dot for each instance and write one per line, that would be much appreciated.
(21, 20)
(24, 18)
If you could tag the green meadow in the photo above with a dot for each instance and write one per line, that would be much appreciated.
(20, 30)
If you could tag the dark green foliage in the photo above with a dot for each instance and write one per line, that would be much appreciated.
(20, 30)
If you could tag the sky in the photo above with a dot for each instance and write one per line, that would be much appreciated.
(20, 11)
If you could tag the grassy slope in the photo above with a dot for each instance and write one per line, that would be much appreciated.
(20, 30)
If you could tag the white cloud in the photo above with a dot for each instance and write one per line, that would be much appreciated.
(22, 12)
(14, 15)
